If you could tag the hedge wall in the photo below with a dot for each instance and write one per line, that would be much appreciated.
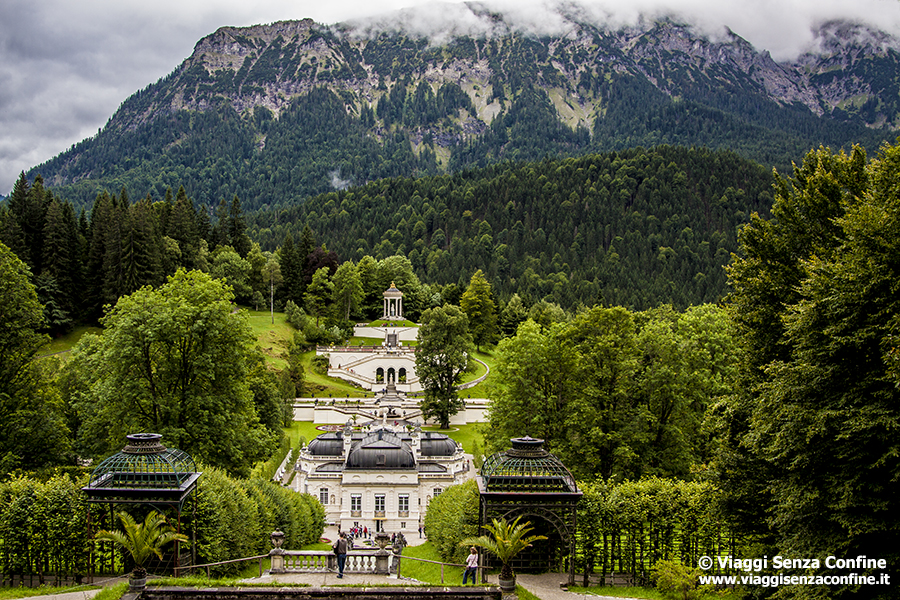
(44, 524)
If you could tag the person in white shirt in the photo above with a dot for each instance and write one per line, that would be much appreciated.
(471, 565)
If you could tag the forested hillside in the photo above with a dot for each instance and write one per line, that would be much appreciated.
(278, 113)
(635, 228)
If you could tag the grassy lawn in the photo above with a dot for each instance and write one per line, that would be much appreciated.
(648, 593)
(431, 573)
(66, 342)
(304, 429)
(319, 385)
(273, 339)
(467, 435)
(364, 341)
(390, 323)
(477, 372)
(428, 572)
(488, 357)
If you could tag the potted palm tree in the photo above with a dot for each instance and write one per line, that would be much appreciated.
(141, 541)
(505, 541)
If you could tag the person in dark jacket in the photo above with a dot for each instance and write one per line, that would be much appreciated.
(340, 549)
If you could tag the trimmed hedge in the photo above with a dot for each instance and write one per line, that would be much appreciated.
(44, 525)
(452, 517)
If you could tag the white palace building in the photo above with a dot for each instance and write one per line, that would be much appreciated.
(375, 467)
(380, 475)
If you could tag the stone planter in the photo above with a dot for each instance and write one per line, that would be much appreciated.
(507, 585)
(136, 584)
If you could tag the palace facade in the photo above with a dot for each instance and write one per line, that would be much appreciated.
(380, 475)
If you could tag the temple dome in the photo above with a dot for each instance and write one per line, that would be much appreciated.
(393, 292)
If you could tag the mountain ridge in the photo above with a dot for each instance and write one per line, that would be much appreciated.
(467, 102)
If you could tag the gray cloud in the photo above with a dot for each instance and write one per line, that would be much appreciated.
(66, 66)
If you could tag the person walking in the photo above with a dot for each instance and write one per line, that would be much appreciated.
(471, 566)
(340, 549)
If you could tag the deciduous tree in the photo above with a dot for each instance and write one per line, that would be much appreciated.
(33, 434)
(348, 290)
(812, 435)
(441, 359)
(174, 361)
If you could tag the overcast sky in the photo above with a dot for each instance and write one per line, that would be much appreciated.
(66, 65)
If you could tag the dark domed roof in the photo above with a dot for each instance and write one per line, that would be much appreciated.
(381, 449)
(527, 467)
(327, 444)
(437, 444)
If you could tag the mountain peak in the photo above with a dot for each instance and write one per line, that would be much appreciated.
(463, 98)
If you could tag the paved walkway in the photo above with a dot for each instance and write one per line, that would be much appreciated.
(412, 537)
(545, 586)
(82, 595)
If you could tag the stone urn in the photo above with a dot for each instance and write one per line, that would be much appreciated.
(382, 540)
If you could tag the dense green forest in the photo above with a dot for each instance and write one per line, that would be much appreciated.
(634, 228)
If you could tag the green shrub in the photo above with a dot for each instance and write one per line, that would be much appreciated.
(677, 582)
(452, 517)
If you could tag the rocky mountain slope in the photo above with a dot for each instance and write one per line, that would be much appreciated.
(275, 113)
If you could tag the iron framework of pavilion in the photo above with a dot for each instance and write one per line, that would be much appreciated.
(527, 481)
(145, 472)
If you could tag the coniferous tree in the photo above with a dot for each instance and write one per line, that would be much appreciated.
(12, 233)
(291, 271)
(478, 305)
(182, 227)
(56, 284)
(113, 265)
(304, 249)
(237, 228)
(318, 294)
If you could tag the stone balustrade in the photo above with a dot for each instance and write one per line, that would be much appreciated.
(321, 561)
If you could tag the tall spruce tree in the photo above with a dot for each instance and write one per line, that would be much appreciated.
(291, 272)
(478, 304)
